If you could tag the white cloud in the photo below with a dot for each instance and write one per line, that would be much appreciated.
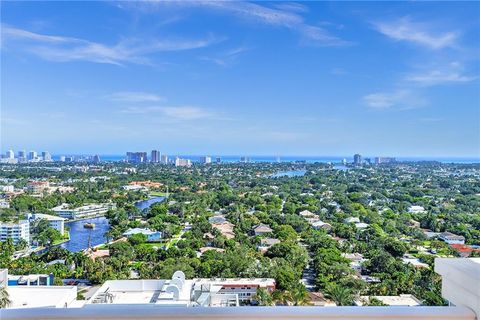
(227, 58)
(62, 49)
(131, 96)
(434, 77)
(285, 15)
(398, 100)
(178, 113)
(420, 33)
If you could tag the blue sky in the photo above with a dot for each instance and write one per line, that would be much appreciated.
(264, 78)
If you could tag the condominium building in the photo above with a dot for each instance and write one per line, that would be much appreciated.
(10, 154)
(179, 162)
(57, 223)
(164, 159)
(173, 298)
(380, 160)
(136, 157)
(155, 156)
(32, 155)
(89, 210)
(15, 230)
(38, 186)
(205, 159)
(46, 156)
(357, 159)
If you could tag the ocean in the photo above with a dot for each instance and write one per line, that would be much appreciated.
(307, 159)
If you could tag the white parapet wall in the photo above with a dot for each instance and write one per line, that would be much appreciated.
(460, 281)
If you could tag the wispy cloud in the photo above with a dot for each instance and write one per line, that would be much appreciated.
(178, 113)
(132, 96)
(62, 49)
(286, 15)
(226, 58)
(397, 100)
(446, 73)
(404, 29)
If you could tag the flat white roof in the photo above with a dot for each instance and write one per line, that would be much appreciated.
(400, 300)
(42, 296)
(47, 216)
(143, 292)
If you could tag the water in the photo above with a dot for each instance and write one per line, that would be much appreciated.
(79, 235)
(307, 159)
(291, 173)
(147, 203)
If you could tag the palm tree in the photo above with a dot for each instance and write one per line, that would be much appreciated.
(263, 297)
(4, 297)
(342, 296)
(300, 296)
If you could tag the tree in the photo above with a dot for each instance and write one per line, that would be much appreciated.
(137, 238)
(342, 296)
(300, 296)
(4, 296)
(263, 297)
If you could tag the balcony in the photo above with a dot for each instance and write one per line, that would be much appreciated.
(460, 285)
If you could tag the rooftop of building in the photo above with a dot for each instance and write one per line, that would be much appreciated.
(400, 300)
(41, 296)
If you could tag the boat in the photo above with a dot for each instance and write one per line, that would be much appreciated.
(89, 225)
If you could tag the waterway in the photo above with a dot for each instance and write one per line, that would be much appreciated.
(79, 236)
(147, 203)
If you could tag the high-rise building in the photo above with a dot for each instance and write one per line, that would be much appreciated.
(32, 155)
(219, 160)
(10, 154)
(22, 155)
(357, 159)
(380, 160)
(96, 159)
(344, 161)
(205, 159)
(136, 157)
(245, 159)
(155, 156)
(179, 162)
(46, 156)
(164, 159)
(62, 158)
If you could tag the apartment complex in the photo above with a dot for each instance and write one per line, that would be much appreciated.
(205, 160)
(15, 230)
(179, 162)
(87, 211)
(155, 156)
(57, 223)
(136, 157)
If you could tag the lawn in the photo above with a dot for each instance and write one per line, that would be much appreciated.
(158, 194)
(66, 237)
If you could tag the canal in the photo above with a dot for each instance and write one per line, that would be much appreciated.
(80, 236)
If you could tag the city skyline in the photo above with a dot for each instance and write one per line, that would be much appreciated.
(233, 78)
